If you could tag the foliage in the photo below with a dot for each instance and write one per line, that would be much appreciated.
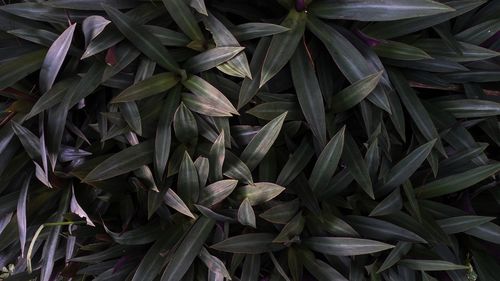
(249, 140)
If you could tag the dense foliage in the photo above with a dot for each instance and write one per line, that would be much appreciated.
(250, 140)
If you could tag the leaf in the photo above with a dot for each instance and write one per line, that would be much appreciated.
(271, 110)
(188, 249)
(488, 232)
(327, 162)
(141, 38)
(295, 164)
(122, 162)
(355, 93)
(252, 243)
(21, 212)
(291, 230)
(462, 223)
(54, 59)
(250, 87)
(479, 33)
(77, 209)
(181, 14)
(213, 263)
(93, 26)
(259, 192)
(216, 157)
(470, 108)
(206, 93)
(237, 66)
(203, 168)
(436, 48)
(282, 212)
(323, 271)
(401, 249)
(154, 85)
(20, 67)
(415, 108)
(340, 246)
(308, 93)
(400, 51)
(261, 143)
(130, 113)
(407, 166)
(142, 235)
(251, 267)
(370, 10)
(430, 265)
(50, 246)
(187, 181)
(175, 202)
(382, 230)
(185, 126)
(457, 182)
(252, 30)
(199, 6)
(246, 215)
(211, 58)
(283, 45)
(392, 203)
(152, 262)
(356, 165)
(216, 192)
(163, 137)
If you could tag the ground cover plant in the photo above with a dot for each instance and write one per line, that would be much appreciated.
(250, 140)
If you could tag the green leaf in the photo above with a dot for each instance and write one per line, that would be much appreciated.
(462, 223)
(205, 93)
(382, 230)
(259, 192)
(175, 202)
(327, 162)
(392, 203)
(355, 93)
(479, 33)
(488, 232)
(415, 108)
(407, 166)
(234, 168)
(122, 162)
(199, 6)
(211, 58)
(308, 93)
(152, 262)
(185, 126)
(188, 249)
(430, 265)
(181, 14)
(436, 48)
(252, 30)
(20, 67)
(340, 246)
(295, 164)
(130, 113)
(400, 51)
(347, 57)
(246, 215)
(261, 143)
(216, 157)
(323, 271)
(458, 182)
(188, 186)
(291, 230)
(151, 86)
(163, 137)
(407, 26)
(216, 192)
(356, 165)
(470, 108)
(271, 110)
(237, 66)
(282, 212)
(283, 45)
(401, 249)
(370, 10)
(91, 4)
(138, 35)
(252, 243)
